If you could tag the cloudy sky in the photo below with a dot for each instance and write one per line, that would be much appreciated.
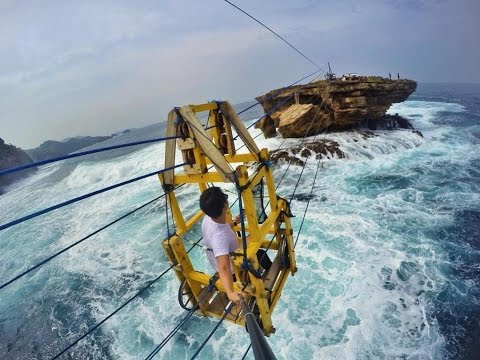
(71, 68)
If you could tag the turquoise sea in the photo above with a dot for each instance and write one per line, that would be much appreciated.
(388, 257)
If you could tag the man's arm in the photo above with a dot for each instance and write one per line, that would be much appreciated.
(226, 278)
(235, 221)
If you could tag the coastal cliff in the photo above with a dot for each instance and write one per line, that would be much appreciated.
(51, 148)
(336, 105)
(11, 156)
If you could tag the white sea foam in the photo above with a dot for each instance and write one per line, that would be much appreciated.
(367, 265)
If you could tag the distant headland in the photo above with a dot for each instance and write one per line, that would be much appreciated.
(52, 148)
(12, 156)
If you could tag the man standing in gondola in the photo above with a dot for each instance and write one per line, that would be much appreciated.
(219, 238)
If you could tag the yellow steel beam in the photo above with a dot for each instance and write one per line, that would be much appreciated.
(263, 230)
(193, 220)
(183, 259)
(177, 213)
(238, 158)
(170, 148)
(262, 303)
(204, 107)
(200, 178)
(248, 201)
(271, 246)
(260, 174)
(279, 287)
(272, 194)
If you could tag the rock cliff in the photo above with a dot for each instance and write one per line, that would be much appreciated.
(11, 156)
(334, 105)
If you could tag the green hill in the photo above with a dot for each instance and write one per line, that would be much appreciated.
(50, 149)
(11, 156)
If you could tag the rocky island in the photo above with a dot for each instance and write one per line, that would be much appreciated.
(335, 105)
(331, 105)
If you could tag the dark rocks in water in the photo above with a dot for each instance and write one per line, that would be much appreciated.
(305, 153)
(386, 272)
(308, 197)
(418, 133)
(324, 147)
(388, 122)
(297, 155)
(12, 156)
(367, 134)
(303, 197)
(389, 285)
(50, 149)
(284, 155)
(406, 270)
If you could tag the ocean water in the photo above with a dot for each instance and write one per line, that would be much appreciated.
(388, 258)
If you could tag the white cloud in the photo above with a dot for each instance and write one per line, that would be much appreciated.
(70, 68)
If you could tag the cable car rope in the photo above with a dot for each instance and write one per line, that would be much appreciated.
(177, 327)
(93, 328)
(43, 262)
(83, 197)
(273, 32)
(82, 153)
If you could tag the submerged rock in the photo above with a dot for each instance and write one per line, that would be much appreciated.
(387, 122)
(297, 155)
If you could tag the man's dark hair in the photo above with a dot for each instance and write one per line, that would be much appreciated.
(212, 201)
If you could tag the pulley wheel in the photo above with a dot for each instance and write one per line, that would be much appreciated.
(185, 296)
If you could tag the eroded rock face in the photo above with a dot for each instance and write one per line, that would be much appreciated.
(334, 105)
(387, 122)
(267, 126)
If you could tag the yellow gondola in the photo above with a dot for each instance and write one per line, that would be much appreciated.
(210, 153)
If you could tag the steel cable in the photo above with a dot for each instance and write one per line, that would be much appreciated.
(93, 328)
(83, 153)
(273, 32)
(86, 196)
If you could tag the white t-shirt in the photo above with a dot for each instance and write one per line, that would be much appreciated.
(219, 239)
